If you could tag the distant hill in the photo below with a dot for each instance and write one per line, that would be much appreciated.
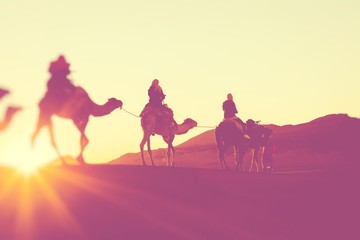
(326, 142)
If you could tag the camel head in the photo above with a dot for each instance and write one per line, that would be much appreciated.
(3, 93)
(13, 109)
(190, 122)
(185, 126)
(115, 103)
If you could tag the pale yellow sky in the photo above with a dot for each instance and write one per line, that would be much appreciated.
(285, 62)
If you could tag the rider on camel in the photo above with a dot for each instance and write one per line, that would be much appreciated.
(156, 95)
(156, 98)
(230, 112)
(59, 86)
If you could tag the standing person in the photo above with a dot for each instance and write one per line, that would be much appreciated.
(156, 95)
(230, 111)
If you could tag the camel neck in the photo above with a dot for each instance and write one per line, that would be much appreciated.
(102, 110)
(182, 129)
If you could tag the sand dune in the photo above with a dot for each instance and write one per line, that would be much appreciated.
(328, 142)
(134, 202)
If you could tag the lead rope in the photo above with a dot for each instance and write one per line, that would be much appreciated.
(212, 127)
(129, 112)
(206, 127)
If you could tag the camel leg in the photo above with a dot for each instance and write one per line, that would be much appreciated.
(240, 153)
(149, 151)
(241, 159)
(145, 139)
(222, 152)
(42, 121)
(256, 158)
(236, 151)
(173, 155)
(170, 150)
(45, 120)
(52, 138)
(221, 158)
(168, 155)
(253, 159)
(260, 159)
(235, 156)
(84, 141)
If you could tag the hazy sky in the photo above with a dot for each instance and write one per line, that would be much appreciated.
(285, 62)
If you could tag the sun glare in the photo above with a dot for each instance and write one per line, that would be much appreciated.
(25, 159)
(28, 169)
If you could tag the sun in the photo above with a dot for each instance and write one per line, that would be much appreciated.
(27, 169)
(24, 158)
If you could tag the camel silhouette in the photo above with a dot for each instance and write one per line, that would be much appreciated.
(161, 123)
(255, 138)
(259, 140)
(10, 112)
(78, 107)
(228, 135)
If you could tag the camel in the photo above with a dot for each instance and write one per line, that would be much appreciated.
(259, 139)
(78, 107)
(255, 138)
(228, 135)
(162, 124)
(10, 112)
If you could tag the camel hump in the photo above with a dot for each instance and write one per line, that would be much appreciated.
(78, 97)
(79, 91)
(234, 123)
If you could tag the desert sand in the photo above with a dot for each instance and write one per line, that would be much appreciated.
(135, 202)
(313, 193)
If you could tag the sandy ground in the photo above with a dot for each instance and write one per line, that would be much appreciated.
(135, 202)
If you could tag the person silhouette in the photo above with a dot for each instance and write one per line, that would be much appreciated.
(156, 94)
(230, 112)
(156, 105)
(59, 87)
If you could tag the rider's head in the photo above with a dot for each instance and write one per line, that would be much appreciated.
(155, 82)
(60, 66)
(229, 97)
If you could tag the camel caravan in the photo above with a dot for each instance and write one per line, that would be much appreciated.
(66, 100)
